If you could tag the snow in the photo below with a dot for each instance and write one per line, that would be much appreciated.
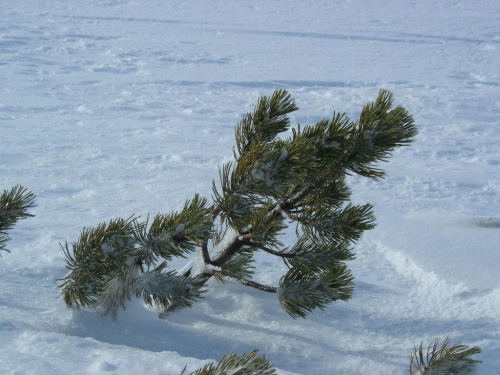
(197, 265)
(180, 228)
(115, 107)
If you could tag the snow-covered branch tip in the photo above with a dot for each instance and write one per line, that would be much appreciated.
(278, 179)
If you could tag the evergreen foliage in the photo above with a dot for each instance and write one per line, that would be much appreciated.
(115, 260)
(443, 359)
(233, 364)
(14, 205)
(273, 182)
(438, 360)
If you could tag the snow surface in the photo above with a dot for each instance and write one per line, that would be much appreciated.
(115, 107)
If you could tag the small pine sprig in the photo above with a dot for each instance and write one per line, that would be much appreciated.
(443, 359)
(379, 131)
(268, 119)
(167, 290)
(233, 364)
(175, 234)
(101, 264)
(14, 205)
(113, 261)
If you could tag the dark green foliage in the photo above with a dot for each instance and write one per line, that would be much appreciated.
(240, 266)
(443, 359)
(266, 122)
(302, 289)
(101, 265)
(14, 205)
(177, 233)
(114, 260)
(233, 364)
(273, 182)
(167, 290)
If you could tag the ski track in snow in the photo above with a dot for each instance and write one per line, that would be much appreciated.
(111, 107)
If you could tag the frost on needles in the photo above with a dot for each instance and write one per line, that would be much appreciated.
(273, 182)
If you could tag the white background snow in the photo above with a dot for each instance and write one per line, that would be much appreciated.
(115, 107)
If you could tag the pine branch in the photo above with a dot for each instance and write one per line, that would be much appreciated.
(177, 233)
(266, 122)
(233, 364)
(343, 225)
(273, 181)
(14, 206)
(443, 359)
(301, 292)
(381, 130)
(357, 146)
(318, 253)
(100, 258)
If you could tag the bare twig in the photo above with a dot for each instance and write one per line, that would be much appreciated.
(282, 254)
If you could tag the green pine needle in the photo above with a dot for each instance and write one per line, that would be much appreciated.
(345, 225)
(268, 119)
(302, 292)
(233, 364)
(175, 234)
(112, 261)
(101, 258)
(379, 131)
(443, 359)
(166, 290)
(14, 206)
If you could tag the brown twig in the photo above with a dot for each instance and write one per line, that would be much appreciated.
(253, 284)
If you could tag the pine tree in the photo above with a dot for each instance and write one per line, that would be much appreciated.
(273, 182)
(14, 205)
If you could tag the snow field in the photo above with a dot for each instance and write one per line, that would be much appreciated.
(109, 108)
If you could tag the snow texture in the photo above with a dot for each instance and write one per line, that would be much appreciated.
(115, 107)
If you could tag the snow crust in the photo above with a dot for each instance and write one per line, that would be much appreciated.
(115, 107)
